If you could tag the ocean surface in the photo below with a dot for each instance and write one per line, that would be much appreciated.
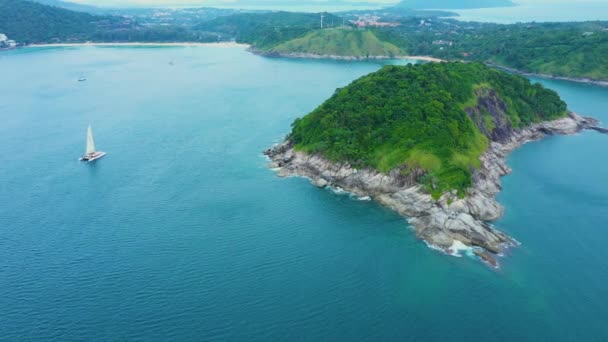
(539, 11)
(181, 233)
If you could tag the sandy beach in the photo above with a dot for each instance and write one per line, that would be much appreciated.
(423, 58)
(220, 44)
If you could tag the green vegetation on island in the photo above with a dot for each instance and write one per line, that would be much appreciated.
(346, 42)
(438, 117)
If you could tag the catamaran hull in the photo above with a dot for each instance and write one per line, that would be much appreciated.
(93, 157)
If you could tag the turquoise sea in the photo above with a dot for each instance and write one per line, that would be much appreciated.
(182, 234)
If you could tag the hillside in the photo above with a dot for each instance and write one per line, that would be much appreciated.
(451, 4)
(27, 22)
(578, 50)
(568, 50)
(338, 42)
(266, 30)
(437, 117)
(71, 6)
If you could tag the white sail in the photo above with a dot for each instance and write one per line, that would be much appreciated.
(90, 141)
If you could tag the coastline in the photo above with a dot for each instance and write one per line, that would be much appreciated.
(297, 55)
(252, 49)
(218, 44)
(339, 57)
(448, 223)
(584, 80)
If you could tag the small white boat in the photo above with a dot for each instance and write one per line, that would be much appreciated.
(91, 154)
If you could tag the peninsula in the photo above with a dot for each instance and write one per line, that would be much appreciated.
(429, 141)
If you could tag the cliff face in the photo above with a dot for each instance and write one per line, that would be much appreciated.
(490, 116)
(448, 222)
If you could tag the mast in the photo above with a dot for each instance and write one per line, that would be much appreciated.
(90, 140)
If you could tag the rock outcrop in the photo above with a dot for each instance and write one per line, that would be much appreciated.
(448, 221)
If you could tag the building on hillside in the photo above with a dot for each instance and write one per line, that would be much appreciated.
(443, 42)
(368, 20)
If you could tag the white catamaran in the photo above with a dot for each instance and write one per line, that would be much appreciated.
(91, 154)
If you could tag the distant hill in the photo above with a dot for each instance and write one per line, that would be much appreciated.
(71, 6)
(338, 42)
(454, 4)
(265, 30)
(31, 22)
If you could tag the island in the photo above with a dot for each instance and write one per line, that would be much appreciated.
(429, 141)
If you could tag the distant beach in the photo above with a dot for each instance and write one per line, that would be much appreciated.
(423, 58)
(233, 44)
(220, 44)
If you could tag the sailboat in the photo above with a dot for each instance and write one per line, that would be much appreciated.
(91, 153)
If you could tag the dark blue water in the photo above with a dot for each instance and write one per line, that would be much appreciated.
(181, 233)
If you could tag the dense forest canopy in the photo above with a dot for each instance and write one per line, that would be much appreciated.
(559, 49)
(419, 116)
(29, 22)
(26, 21)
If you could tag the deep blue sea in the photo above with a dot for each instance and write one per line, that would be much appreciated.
(182, 234)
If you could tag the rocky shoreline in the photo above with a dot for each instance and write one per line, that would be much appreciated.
(449, 223)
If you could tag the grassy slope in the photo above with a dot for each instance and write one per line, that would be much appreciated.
(414, 117)
(339, 42)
